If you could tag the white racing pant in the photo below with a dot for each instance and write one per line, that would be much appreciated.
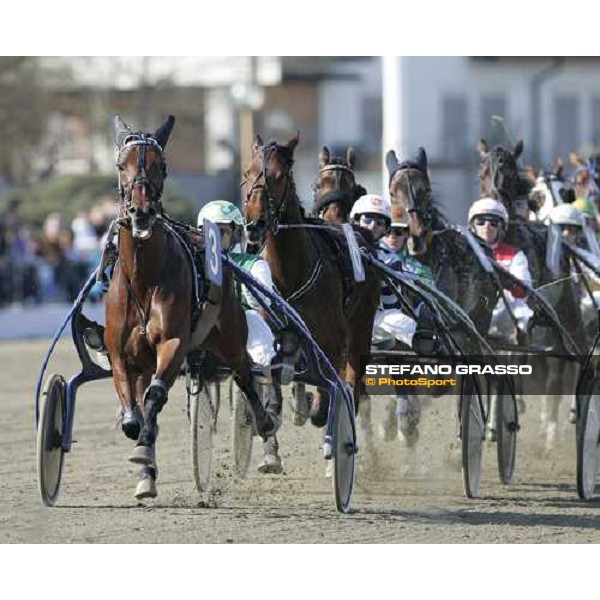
(393, 324)
(260, 339)
(502, 323)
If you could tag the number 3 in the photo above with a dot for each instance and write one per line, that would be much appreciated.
(214, 257)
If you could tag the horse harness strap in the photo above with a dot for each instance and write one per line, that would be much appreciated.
(144, 141)
(309, 283)
(339, 251)
(197, 280)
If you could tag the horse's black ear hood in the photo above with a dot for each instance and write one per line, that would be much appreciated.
(422, 159)
(122, 130)
(161, 135)
(391, 162)
(419, 162)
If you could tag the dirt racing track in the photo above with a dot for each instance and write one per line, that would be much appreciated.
(400, 497)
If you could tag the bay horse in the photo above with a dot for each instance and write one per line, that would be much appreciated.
(454, 266)
(337, 174)
(501, 178)
(307, 264)
(157, 309)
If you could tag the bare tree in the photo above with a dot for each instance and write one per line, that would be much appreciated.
(25, 103)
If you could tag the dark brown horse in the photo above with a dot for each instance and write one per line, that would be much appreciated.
(455, 268)
(156, 312)
(308, 266)
(336, 175)
(501, 178)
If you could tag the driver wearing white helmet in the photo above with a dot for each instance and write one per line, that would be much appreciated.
(488, 220)
(374, 213)
(570, 220)
(260, 343)
(575, 232)
(402, 414)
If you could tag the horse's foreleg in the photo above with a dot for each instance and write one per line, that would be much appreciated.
(170, 355)
(131, 420)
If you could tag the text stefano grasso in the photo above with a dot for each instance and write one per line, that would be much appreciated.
(415, 369)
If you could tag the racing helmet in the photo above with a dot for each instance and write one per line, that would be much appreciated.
(488, 206)
(566, 214)
(371, 204)
(221, 211)
(586, 206)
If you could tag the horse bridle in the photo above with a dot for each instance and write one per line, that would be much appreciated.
(273, 211)
(494, 171)
(141, 177)
(339, 170)
(424, 214)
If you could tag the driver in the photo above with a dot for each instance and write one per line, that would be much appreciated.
(403, 413)
(488, 220)
(260, 343)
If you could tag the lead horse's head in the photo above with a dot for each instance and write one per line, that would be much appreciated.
(410, 189)
(268, 187)
(142, 171)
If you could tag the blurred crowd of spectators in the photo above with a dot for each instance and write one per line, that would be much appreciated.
(49, 264)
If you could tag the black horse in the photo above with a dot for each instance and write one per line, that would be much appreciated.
(501, 178)
(455, 267)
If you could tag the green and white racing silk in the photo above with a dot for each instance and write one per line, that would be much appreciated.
(259, 269)
(411, 265)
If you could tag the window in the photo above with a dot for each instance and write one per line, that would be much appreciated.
(566, 125)
(455, 133)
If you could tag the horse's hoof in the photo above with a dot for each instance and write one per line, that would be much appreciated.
(271, 462)
(319, 410)
(143, 455)
(131, 426)
(302, 408)
(146, 488)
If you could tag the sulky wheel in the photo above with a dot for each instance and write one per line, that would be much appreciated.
(203, 402)
(51, 427)
(588, 445)
(241, 424)
(507, 426)
(344, 452)
(472, 423)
